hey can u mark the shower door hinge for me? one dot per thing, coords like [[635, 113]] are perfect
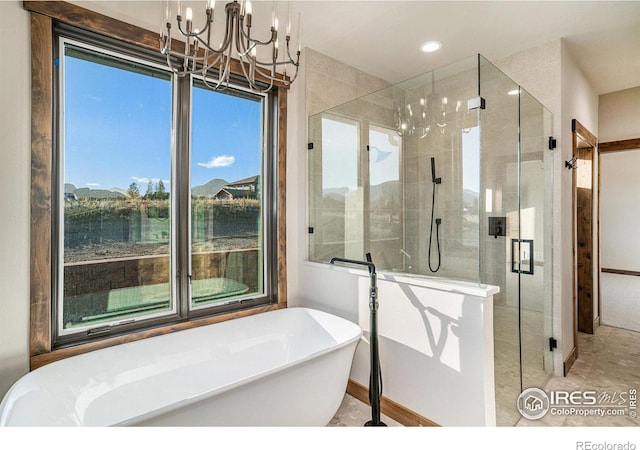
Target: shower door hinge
[[310, 230], [552, 143], [553, 344], [310, 146], [476, 103]]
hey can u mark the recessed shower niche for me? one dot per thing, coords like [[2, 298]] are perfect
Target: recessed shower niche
[[447, 175]]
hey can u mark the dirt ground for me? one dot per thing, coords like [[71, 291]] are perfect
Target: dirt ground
[[113, 250]]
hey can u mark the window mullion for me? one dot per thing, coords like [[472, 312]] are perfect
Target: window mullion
[[182, 205]]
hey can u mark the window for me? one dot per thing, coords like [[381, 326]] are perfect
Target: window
[[116, 233], [165, 196], [153, 235], [227, 237], [356, 209]]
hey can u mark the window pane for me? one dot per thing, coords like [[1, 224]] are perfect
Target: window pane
[[385, 200], [471, 185], [336, 196], [226, 196], [116, 215]]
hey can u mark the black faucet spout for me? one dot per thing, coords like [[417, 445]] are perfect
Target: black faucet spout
[[368, 262]]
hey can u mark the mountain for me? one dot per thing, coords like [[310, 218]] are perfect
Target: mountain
[[385, 195], [469, 196], [209, 189], [96, 193]]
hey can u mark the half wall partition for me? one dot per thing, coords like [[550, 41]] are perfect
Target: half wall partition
[[447, 175]]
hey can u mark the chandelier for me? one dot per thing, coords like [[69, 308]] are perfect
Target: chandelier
[[200, 55], [429, 114]]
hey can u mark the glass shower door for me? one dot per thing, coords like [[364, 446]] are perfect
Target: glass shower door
[[516, 235], [533, 260]]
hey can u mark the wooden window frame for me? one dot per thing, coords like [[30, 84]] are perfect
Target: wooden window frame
[[43, 15]]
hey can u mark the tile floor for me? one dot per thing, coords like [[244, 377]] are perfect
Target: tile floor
[[609, 360], [507, 359]]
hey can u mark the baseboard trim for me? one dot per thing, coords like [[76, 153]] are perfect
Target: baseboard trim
[[570, 359], [390, 408]]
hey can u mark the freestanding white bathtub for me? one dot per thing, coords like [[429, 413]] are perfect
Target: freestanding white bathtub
[[282, 368]]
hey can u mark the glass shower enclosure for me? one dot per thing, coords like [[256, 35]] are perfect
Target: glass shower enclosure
[[447, 175]]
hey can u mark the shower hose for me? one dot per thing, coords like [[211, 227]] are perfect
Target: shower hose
[[433, 203]]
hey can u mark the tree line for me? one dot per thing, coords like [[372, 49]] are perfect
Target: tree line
[[154, 192]]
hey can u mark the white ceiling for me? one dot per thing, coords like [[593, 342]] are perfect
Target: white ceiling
[[383, 37]]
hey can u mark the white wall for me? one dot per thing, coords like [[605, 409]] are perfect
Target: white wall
[[620, 210], [15, 172], [619, 115], [619, 119]]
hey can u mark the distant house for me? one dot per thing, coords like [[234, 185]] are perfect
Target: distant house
[[246, 188], [229, 194]]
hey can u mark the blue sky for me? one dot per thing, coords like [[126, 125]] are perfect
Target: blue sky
[[118, 130]]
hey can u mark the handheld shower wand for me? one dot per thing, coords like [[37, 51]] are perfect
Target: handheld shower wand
[[434, 181], [375, 376]]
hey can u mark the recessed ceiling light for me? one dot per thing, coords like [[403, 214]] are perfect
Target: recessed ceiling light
[[431, 46]]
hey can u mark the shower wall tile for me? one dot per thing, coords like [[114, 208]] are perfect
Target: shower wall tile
[[331, 83]]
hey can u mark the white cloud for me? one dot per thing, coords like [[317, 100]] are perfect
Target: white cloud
[[93, 184], [219, 161], [146, 180]]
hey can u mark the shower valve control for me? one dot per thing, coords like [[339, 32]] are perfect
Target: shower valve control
[[497, 226]]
